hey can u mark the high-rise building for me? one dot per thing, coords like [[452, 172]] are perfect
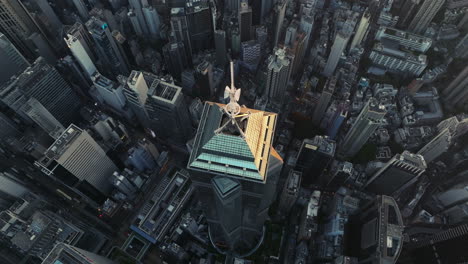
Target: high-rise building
[[232, 5], [424, 16], [180, 29], [397, 174], [220, 45], [175, 58], [364, 126], [438, 246], [110, 55], [138, 9], [174, 191], [280, 11], [204, 85], [324, 100], [110, 92], [43, 82], [200, 24], [397, 60], [235, 171], [461, 50], [250, 54], [407, 12], [448, 131], [406, 39], [76, 160], [290, 192], [135, 23], [245, 21], [152, 20], [456, 93], [361, 30], [313, 158], [43, 118], [64, 253], [78, 42], [278, 75], [49, 13], [12, 61], [168, 112], [265, 9], [379, 232], [82, 9], [136, 92], [17, 24], [339, 45]]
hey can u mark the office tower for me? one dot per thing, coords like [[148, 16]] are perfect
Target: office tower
[[82, 9], [152, 223], [200, 24], [168, 112], [336, 120], [235, 170], [313, 158], [424, 16], [456, 93], [110, 93], [265, 9], [461, 50], [235, 41], [324, 100], [245, 21], [308, 224], [43, 82], [43, 48], [17, 25], [379, 232], [339, 45], [204, 85], [82, 35], [261, 35], [180, 30], [52, 18], [220, 45], [42, 117], [152, 20], [361, 30], [12, 61], [280, 11], [136, 92], [448, 131], [76, 160], [297, 51], [364, 126], [396, 60], [9, 128], [232, 5], [437, 245], [175, 58], [406, 39], [64, 253], [135, 22], [250, 54], [290, 192], [277, 75], [397, 174], [137, 8], [111, 57], [407, 12], [77, 42]]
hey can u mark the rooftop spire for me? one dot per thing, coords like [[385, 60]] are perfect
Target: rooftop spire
[[232, 108]]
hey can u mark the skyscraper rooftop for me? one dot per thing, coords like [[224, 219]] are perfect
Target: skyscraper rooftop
[[239, 147]]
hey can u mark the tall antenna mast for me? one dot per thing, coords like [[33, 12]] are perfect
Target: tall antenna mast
[[232, 109]]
